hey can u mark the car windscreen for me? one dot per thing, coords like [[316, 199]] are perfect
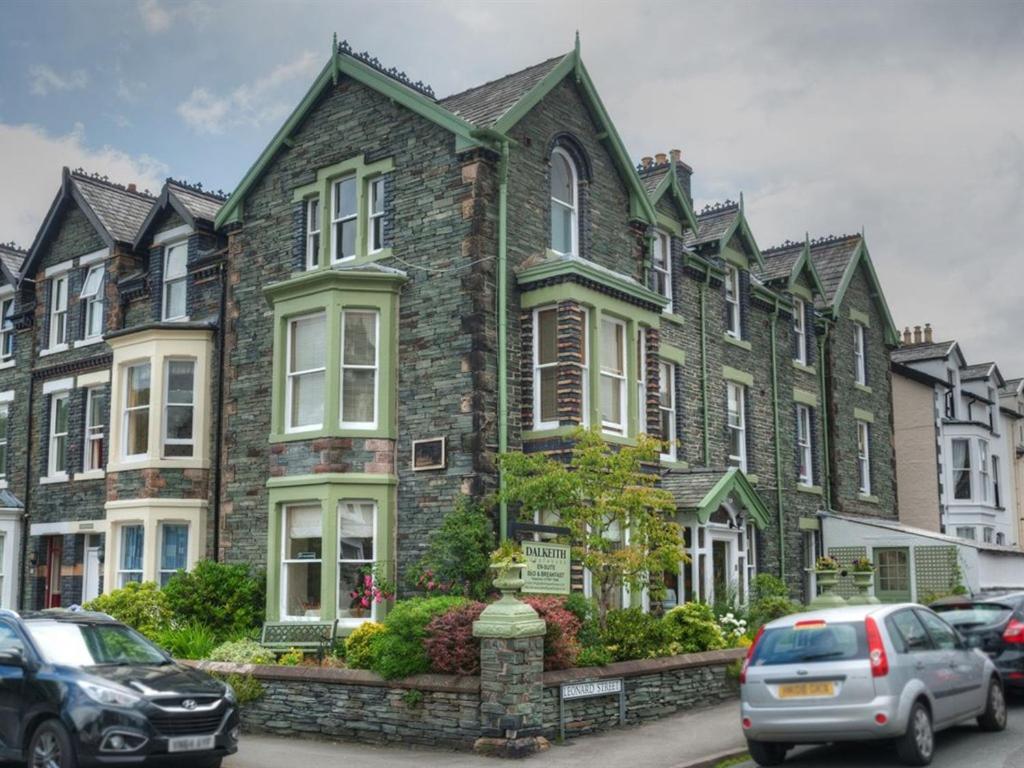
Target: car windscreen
[[975, 615], [817, 642], [88, 645]]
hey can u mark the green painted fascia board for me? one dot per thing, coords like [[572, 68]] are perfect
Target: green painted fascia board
[[801, 291], [558, 267], [317, 280], [892, 335], [734, 481], [674, 354], [740, 377], [860, 317], [740, 225], [805, 397], [804, 262], [769, 295], [671, 183], [332, 478], [861, 415], [421, 105], [520, 109], [732, 256], [669, 224]]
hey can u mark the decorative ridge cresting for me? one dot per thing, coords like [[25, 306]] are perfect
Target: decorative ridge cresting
[[197, 187], [829, 239], [785, 245], [100, 178], [13, 246], [393, 72], [719, 207]]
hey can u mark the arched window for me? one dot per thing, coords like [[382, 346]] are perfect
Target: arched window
[[564, 203]]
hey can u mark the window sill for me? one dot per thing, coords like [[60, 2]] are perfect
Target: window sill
[[92, 474], [7, 363], [671, 463], [868, 498], [356, 261], [813, 489], [53, 350], [127, 465], [728, 339], [53, 479], [863, 388], [805, 368], [316, 434], [672, 317], [87, 342]]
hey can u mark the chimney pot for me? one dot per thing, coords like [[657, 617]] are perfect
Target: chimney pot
[[661, 158], [131, 187], [676, 155], [917, 334], [927, 333], [646, 161], [906, 336]]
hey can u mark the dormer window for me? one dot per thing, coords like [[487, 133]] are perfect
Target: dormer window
[[564, 203], [92, 295], [175, 281], [800, 331], [732, 302]]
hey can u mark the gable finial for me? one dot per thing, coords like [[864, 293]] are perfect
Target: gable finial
[[807, 238], [576, 45], [334, 58], [741, 201]]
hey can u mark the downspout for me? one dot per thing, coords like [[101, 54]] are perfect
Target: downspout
[[826, 464], [702, 288], [25, 517], [219, 418], [778, 450]]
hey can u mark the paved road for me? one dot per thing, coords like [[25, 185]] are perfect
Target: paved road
[[962, 747]]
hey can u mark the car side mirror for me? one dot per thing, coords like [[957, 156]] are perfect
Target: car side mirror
[[12, 657]]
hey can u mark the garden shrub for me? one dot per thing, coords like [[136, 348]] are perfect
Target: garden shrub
[[399, 652], [561, 640], [765, 585], [632, 634], [242, 652], [140, 605], [226, 598], [247, 688], [293, 657], [450, 645], [188, 641], [585, 610], [594, 656], [359, 645], [458, 555], [691, 628], [769, 609]]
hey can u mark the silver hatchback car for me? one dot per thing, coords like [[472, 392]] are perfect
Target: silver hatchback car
[[867, 672]]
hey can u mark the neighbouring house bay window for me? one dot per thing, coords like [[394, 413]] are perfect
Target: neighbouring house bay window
[[800, 331], [136, 411], [661, 263], [313, 232], [987, 534], [173, 550], [179, 408], [737, 423], [667, 409], [307, 365], [92, 295], [545, 368], [864, 458], [966, 532], [962, 469], [983, 469], [301, 561], [57, 466], [564, 203], [357, 522], [805, 458], [859, 360], [344, 216], [175, 290], [359, 368], [733, 324], [129, 567], [6, 330], [93, 456], [613, 376], [59, 311]]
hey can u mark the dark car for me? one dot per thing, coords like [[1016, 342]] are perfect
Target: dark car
[[79, 688], [996, 626]]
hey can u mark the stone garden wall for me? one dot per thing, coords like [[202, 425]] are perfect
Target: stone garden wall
[[444, 710]]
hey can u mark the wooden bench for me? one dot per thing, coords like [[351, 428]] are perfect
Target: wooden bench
[[313, 636]]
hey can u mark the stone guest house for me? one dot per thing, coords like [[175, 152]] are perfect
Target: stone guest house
[[306, 375]]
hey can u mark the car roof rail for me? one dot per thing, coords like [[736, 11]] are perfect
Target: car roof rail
[[9, 613]]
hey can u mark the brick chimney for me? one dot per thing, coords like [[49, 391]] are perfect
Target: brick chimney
[[646, 162], [906, 336], [131, 187], [917, 334], [927, 333], [683, 173], [660, 158]]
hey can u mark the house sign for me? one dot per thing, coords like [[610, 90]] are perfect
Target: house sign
[[547, 567]]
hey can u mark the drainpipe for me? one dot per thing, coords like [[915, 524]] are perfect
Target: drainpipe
[[778, 450], [25, 517], [826, 467], [218, 416], [702, 288]]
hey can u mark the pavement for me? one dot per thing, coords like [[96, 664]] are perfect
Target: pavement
[[687, 740]]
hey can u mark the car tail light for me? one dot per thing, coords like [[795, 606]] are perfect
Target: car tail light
[[746, 723], [750, 655], [1014, 632], [881, 718], [876, 650]]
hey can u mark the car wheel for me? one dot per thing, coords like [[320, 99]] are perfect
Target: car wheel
[[766, 752], [917, 745], [994, 717], [50, 747]]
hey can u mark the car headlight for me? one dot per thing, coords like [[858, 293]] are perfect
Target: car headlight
[[229, 693], [111, 697]]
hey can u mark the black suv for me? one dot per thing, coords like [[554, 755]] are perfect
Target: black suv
[[79, 688]]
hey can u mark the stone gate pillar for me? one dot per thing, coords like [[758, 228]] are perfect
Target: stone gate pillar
[[511, 675]]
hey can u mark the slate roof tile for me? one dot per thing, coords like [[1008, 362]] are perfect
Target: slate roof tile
[[12, 257], [712, 223], [120, 212], [689, 488], [831, 256], [484, 105], [779, 261], [976, 371], [202, 205], [918, 352]]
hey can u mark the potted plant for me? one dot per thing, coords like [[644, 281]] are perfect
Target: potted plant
[[508, 562], [826, 571], [372, 586], [863, 577]]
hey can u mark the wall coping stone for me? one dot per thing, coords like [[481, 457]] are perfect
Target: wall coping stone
[[639, 667]]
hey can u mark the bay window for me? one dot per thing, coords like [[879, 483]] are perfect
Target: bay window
[[860, 363], [179, 408], [313, 233], [375, 230], [864, 457], [307, 365], [357, 522], [800, 331], [613, 376], [733, 326], [805, 458], [136, 411], [983, 469], [95, 428], [92, 295], [173, 550], [962, 469], [129, 568], [661, 262], [57, 466], [641, 382], [737, 424], [545, 368], [344, 216], [301, 561], [667, 409], [59, 312], [175, 291], [359, 368], [564, 203], [6, 330]]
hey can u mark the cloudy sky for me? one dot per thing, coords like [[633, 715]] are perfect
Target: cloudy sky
[[904, 118]]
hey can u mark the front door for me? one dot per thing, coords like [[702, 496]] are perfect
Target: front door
[[91, 578], [54, 552], [722, 579], [892, 574]]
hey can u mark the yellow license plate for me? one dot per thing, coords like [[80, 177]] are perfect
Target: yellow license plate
[[806, 690]]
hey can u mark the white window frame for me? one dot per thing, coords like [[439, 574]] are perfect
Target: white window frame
[[585, 369], [612, 427], [574, 208], [966, 532], [59, 312], [641, 381], [662, 244], [93, 432], [313, 216], [737, 393], [800, 329], [284, 561], [864, 457], [338, 221], [5, 413], [984, 476], [6, 329], [667, 382], [988, 534], [160, 570], [350, 561], [51, 455], [121, 549], [955, 470], [167, 405], [375, 367], [734, 325], [93, 302], [860, 363], [803, 442], [375, 192], [171, 280], [539, 422], [128, 410], [291, 376]]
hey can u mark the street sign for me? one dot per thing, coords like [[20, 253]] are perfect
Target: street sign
[[589, 689], [548, 567]]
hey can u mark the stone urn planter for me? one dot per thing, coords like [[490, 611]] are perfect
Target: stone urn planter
[[863, 581], [827, 580]]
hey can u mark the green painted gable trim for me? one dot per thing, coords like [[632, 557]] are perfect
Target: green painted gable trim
[[343, 64], [669, 224], [861, 415], [671, 184], [734, 483], [804, 263], [892, 335], [741, 227], [740, 377], [556, 267]]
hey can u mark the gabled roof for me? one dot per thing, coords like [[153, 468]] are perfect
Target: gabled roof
[[11, 259], [718, 223], [479, 116], [980, 371], [661, 179], [784, 263], [1012, 387], [115, 212], [916, 353], [194, 204], [837, 258], [704, 490]]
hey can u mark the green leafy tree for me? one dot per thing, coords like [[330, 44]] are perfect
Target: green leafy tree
[[599, 495], [458, 554]]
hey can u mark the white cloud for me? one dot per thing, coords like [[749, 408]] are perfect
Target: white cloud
[[44, 80], [157, 18], [35, 158], [250, 104]]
